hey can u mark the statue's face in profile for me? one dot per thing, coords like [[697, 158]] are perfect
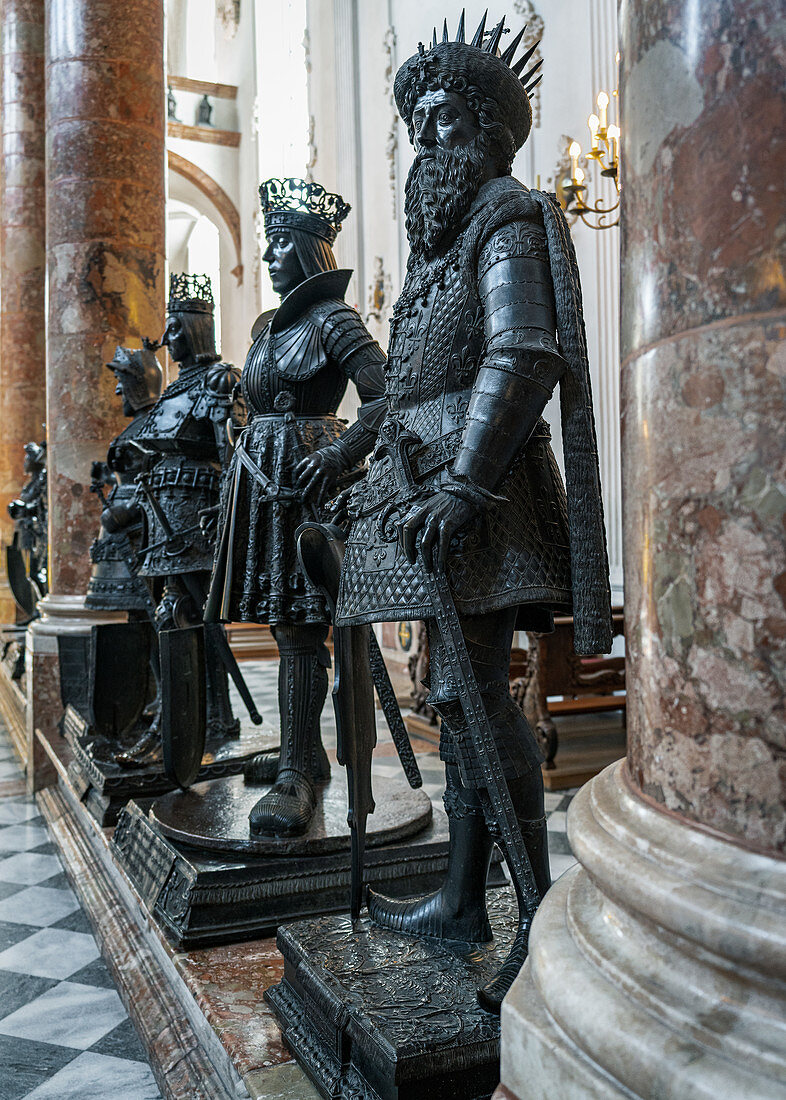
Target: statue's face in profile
[[120, 390], [442, 120], [176, 339], [283, 264]]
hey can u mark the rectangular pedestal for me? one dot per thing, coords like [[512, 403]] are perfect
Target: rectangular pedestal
[[105, 788], [199, 899], [378, 1015]]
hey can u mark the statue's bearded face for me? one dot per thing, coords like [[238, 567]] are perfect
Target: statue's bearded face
[[451, 163]]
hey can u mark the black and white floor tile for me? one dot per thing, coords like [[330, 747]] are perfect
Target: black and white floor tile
[[64, 1034]]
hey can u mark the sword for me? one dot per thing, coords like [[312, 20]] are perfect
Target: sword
[[481, 734], [199, 596]]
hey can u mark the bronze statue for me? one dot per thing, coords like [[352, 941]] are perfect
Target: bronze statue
[[185, 444], [462, 519], [26, 557], [292, 456], [114, 583]]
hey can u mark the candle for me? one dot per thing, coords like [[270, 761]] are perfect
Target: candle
[[575, 153], [594, 122], [614, 135], [603, 103]]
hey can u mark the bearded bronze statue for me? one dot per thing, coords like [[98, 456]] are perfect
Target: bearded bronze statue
[[292, 456], [463, 486]]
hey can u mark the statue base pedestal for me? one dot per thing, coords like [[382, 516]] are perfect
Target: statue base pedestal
[[105, 788], [377, 1015], [205, 879]]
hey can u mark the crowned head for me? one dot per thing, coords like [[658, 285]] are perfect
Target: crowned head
[[190, 332], [302, 221], [467, 110]]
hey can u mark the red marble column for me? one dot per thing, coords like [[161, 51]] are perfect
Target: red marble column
[[656, 965], [704, 411], [105, 167], [105, 239], [22, 255]]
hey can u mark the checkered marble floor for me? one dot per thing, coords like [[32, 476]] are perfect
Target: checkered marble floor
[[63, 1030]]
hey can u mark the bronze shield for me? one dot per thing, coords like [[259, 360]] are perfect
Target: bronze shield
[[183, 702]]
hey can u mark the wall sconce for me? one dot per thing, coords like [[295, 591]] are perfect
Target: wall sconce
[[605, 151]]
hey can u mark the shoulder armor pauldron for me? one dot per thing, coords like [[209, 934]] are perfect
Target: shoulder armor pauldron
[[221, 379], [519, 238]]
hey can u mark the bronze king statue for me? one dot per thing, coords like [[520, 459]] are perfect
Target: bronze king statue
[[185, 442], [463, 519], [291, 457], [114, 583]]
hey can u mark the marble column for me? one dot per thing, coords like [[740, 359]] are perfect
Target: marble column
[[22, 255], [658, 966], [105, 261]]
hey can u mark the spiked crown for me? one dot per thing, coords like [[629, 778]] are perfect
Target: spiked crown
[[461, 66], [294, 203], [190, 294]]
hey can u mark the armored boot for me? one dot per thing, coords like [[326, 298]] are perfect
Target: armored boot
[[457, 911], [221, 723], [287, 808], [527, 796]]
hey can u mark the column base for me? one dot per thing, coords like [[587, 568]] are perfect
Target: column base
[[60, 616], [657, 968]]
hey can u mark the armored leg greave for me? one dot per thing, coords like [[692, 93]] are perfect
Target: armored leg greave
[[288, 806], [457, 911], [458, 906]]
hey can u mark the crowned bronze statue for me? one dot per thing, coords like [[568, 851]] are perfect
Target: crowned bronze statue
[[114, 583], [463, 519], [185, 444], [293, 455]]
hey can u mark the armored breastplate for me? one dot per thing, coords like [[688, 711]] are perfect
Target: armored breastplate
[[292, 362], [179, 422], [435, 346]]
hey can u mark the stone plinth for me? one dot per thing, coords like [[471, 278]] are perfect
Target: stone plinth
[[22, 256], [656, 968]]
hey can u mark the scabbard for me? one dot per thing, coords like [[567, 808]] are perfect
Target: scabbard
[[481, 733]]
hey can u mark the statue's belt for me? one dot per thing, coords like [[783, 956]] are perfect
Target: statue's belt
[[185, 477], [423, 461]]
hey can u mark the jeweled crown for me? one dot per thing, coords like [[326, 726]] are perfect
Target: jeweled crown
[[302, 205], [190, 294]]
